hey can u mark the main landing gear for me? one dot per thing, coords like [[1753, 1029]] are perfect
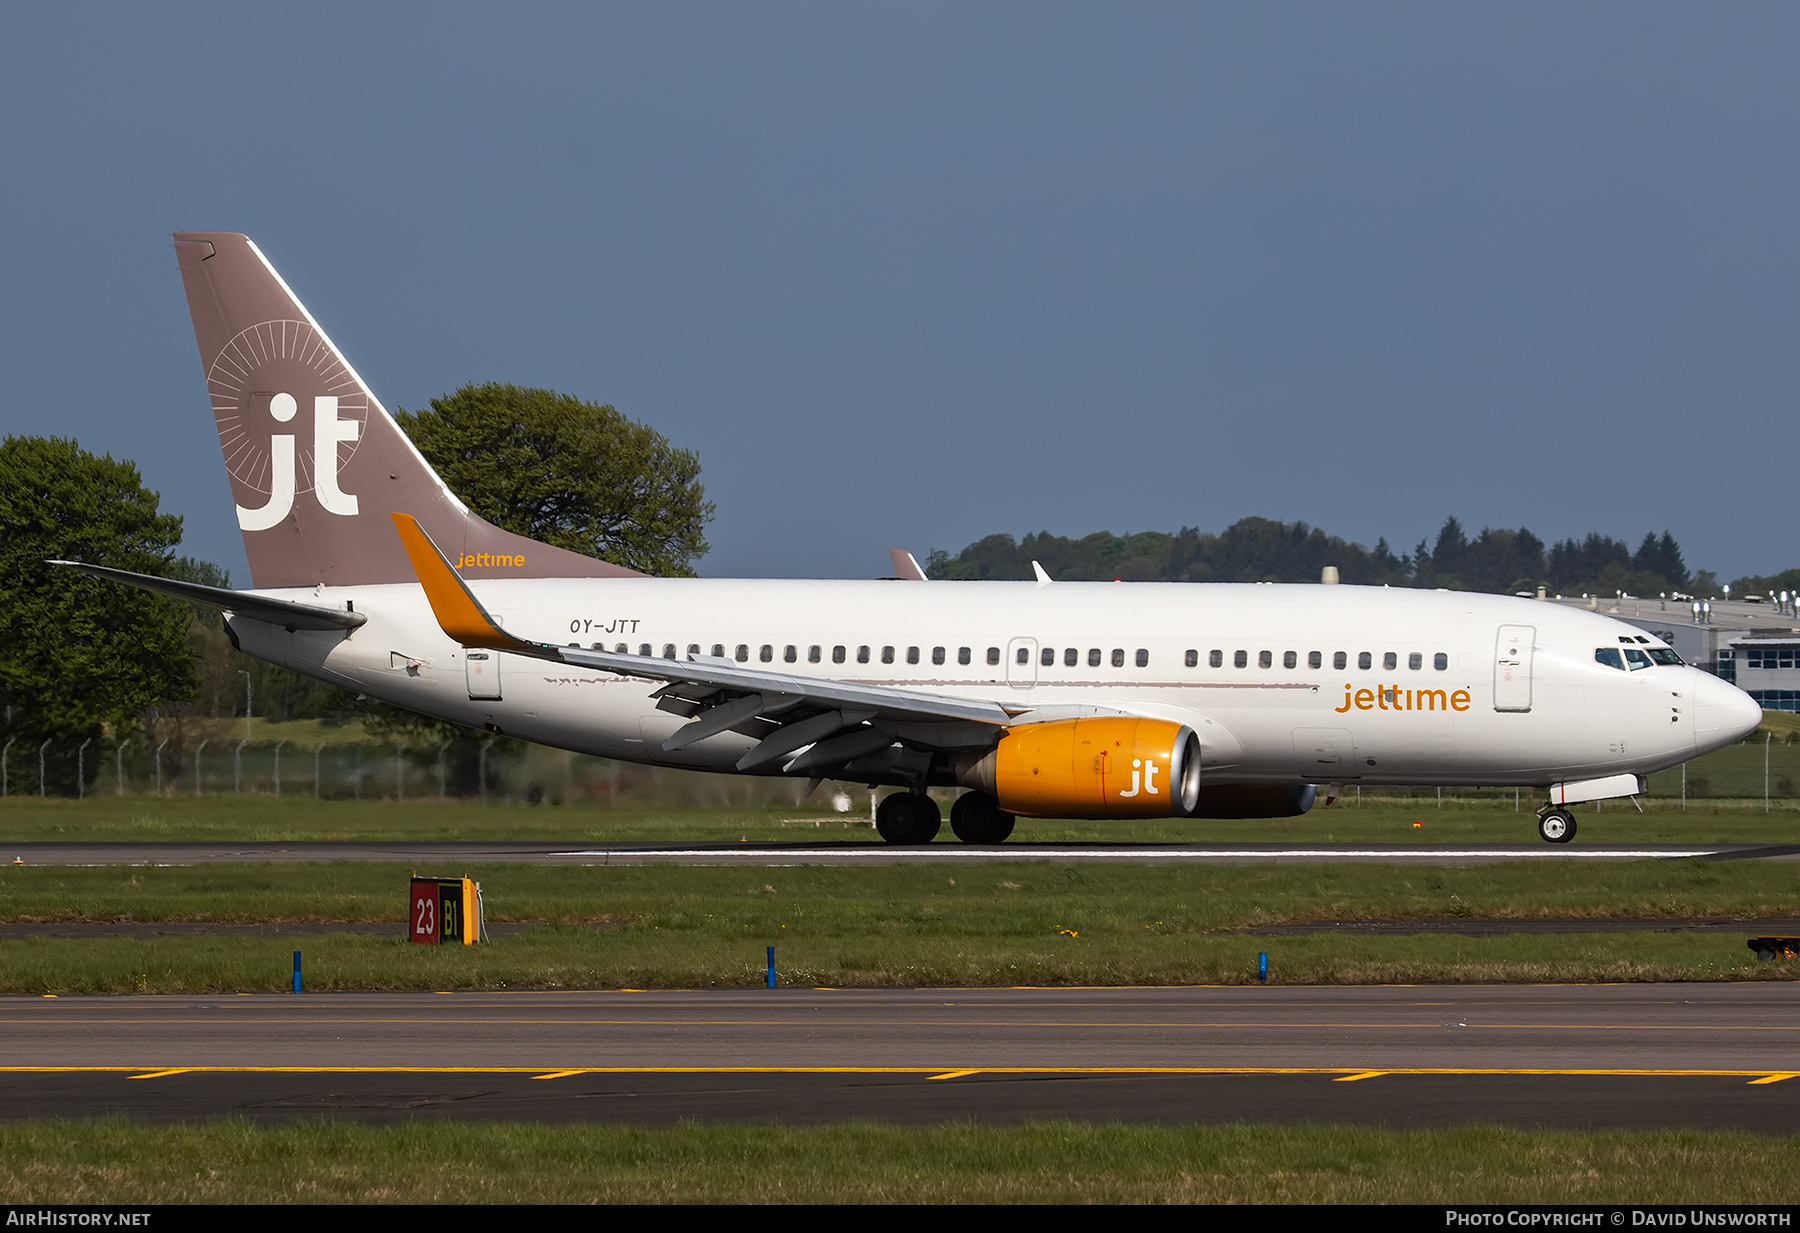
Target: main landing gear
[[907, 817], [1556, 824], [977, 818], [911, 817]]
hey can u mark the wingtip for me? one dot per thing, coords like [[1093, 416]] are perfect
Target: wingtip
[[459, 614]]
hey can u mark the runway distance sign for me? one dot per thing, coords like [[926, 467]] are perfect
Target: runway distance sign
[[441, 910]]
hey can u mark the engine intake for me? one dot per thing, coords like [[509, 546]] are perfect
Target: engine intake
[[1110, 767]]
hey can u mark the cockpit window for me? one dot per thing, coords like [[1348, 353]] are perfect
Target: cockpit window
[[1610, 657], [1663, 655], [1635, 659]]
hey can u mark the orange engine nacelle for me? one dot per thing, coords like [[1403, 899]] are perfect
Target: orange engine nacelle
[[1110, 767]]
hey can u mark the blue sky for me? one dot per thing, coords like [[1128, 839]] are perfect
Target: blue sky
[[911, 274]]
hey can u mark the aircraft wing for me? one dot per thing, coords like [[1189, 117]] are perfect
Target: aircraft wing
[[835, 721], [281, 612]]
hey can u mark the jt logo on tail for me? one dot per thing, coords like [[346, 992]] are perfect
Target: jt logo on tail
[[328, 430]]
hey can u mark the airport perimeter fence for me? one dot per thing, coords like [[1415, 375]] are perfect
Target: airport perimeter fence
[[1762, 769]]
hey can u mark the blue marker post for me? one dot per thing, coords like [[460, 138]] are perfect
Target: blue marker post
[[771, 967], [1262, 967], [296, 971]]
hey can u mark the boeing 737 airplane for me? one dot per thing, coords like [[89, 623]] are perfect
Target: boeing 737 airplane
[[1046, 699]]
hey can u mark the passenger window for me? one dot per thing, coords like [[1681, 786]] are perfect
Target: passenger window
[[1191, 659], [1339, 660], [1071, 657], [887, 654], [668, 650], [1118, 658], [790, 654], [742, 654], [1264, 659], [1241, 659], [1143, 658], [1093, 657], [1047, 656], [937, 654], [1216, 659], [1635, 659], [1441, 662], [837, 654], [1364, 660], [644, 650], [963, 656], [862, 654], [718, 650], [1024, 655], [912, 654], [693, 648], [1314, 659], [1390, 661], [994, 655], [1609, 655], [1415, 661], [1289, 659], [812, 654], [766, 654]]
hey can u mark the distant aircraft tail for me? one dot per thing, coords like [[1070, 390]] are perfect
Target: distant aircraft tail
[[316, 462]]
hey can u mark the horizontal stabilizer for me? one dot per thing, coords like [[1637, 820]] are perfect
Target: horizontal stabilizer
[[281, 612]]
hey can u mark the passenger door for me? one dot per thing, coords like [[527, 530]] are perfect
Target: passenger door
[[1512, 667], [482, 668]]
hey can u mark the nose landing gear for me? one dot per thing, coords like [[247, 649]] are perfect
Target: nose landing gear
[[1555, 824]]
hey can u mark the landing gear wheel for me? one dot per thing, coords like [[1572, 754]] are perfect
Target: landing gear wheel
[[977, 818], [907, 818], [1556, 826]]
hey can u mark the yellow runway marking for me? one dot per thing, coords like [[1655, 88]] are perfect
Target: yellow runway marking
[[1354, 1072], [1367, 1074], [1774, 1078], [560, 1074], [955, 1074]]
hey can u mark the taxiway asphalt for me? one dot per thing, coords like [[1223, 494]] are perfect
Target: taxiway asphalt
[[1701, 1055]]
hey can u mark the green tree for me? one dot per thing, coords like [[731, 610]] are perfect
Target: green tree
[[575, 474], [80, 655]]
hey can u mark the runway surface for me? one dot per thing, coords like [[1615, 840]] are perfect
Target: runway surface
[[424, 855], [1706, 1055]]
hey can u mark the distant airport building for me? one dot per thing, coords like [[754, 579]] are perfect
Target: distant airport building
[[1754, 646]]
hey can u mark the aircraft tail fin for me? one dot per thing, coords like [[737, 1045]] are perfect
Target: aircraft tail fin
[[315, 460]]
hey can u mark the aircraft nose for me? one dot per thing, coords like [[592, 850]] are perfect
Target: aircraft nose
[[1723, 713]]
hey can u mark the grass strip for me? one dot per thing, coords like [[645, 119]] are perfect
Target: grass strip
[[567, 958], [117, 1161], [897, 925], [970, 900]]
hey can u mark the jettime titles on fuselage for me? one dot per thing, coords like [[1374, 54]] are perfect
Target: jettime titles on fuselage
[[1393, 698]]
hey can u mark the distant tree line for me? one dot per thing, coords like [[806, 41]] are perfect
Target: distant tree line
[[1497, 560]]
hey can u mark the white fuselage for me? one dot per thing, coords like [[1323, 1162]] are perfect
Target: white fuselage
[[1453, 692]]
